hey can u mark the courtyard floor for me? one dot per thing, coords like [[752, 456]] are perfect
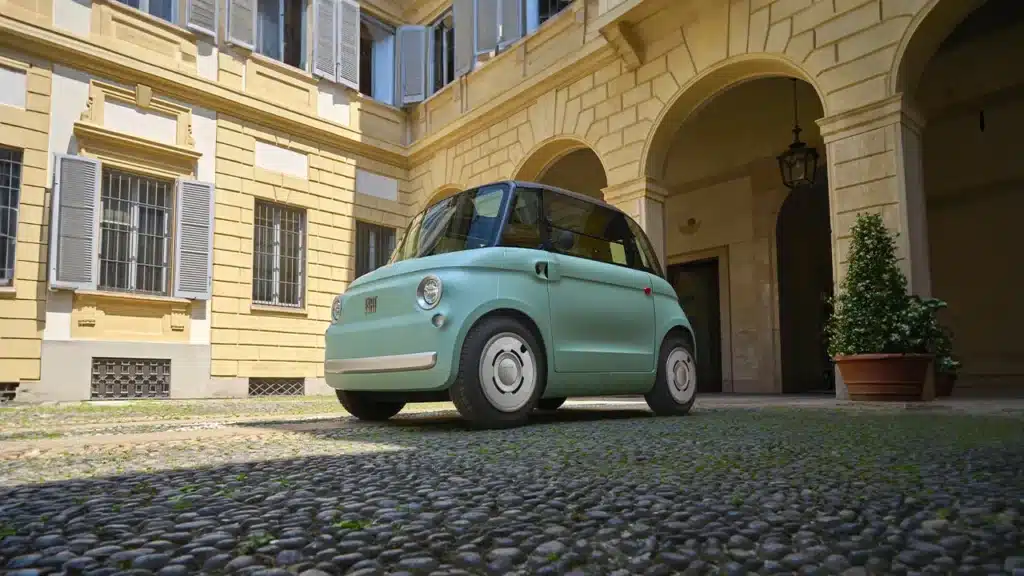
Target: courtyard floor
[[740, 486]]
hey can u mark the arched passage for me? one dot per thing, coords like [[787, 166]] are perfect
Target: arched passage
[[442, 193], [727, 217], [961, 70], [565, 163]]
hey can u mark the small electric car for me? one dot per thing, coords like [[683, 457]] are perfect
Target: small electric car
[[507, 298]]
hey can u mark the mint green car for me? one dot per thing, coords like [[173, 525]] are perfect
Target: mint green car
[[507, 298]]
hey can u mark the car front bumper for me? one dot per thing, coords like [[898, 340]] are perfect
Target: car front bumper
[[397, 354], [378, 364]]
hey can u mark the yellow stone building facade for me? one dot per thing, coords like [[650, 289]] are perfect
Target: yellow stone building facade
[[186, 184]]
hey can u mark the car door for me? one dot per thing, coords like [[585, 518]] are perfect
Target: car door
[[602, 312]]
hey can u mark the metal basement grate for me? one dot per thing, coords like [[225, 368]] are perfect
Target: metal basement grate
[[8, 390], [277, 386], [122, 378]]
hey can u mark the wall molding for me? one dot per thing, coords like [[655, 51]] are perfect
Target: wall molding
[[135, 153]]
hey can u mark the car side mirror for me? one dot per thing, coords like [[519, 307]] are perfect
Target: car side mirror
[[564, 240]]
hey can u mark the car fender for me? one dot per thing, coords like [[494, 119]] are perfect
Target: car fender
[[538, 316], [671, 316]]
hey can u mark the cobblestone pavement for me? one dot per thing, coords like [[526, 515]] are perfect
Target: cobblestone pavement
[[278, 487]]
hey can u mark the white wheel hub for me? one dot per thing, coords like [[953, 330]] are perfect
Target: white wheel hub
[[681, 375], [508, 372]]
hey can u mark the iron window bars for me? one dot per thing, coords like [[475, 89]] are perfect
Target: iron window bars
[[374, 245], [278, 256], [135, 233], [10, 202]]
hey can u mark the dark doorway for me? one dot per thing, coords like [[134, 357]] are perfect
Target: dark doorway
[[696, 283], [803, 239]]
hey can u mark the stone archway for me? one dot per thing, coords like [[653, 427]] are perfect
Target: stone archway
[[566, 163], [442, 193], [969, 181], [713, 155]]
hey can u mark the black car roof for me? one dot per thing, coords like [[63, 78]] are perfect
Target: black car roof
[[570, 193]]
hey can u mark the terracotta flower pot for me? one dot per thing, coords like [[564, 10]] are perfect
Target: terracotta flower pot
[[944, 382], [886, 377]]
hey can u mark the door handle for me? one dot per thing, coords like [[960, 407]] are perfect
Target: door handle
[[540, 268]]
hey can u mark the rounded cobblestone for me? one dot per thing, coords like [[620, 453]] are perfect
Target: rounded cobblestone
[[718, 492]]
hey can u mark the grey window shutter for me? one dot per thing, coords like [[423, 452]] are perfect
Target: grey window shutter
[[412, 63], [75, 223], [462, 19], [511, 21], [325, 39], [486, 30], [348, 43], [242, 23], [193, 256], [201, 16]]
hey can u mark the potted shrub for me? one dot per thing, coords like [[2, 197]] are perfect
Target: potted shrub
[[881, 338]]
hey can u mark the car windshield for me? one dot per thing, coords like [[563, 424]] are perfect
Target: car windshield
[[465, 221]]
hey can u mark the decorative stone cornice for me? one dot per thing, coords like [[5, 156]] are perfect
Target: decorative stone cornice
[[642, 187], [885, 112], [109, 145], [620, 35]]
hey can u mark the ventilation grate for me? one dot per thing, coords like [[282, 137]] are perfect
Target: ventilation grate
[[277, 386], [7, 391], [126, 378]]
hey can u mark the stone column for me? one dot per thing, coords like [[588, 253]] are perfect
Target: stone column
[[875, 165], [644, 200]]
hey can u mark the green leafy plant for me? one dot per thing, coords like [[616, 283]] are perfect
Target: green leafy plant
[[873, 314]]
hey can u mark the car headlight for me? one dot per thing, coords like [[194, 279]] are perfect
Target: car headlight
[[336, 309], [428, 293]]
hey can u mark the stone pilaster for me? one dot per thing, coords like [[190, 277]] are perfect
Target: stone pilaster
[[644, 200], [875, 165]]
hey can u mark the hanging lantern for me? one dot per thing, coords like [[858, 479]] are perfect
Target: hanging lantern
[[799, 163]]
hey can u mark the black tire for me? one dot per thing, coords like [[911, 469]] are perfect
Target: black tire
[[360, 406], [468, 394], [550, 404], [661, 398]]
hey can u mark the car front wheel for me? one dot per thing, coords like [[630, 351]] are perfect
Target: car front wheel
[[501, 374], [364, 408], [675, 388]]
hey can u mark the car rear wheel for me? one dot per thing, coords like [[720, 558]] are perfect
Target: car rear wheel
[[550, 404], [675, 388], [362, 407], [501, 374]]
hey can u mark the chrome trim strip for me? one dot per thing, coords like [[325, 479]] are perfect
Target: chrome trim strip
[[392, 363]]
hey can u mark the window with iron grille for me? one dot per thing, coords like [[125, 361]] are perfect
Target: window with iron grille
[[10, 200], [278, 255], [374, 245], [549, 8], [135, 232], [118, 378], [277, 386]]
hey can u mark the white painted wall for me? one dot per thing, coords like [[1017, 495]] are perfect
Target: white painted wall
[[68, 96], [332, 102], [206, 62], [282, 160], [204, 132], [376, 185], [74, 16], [130, 119], [13, 87]]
